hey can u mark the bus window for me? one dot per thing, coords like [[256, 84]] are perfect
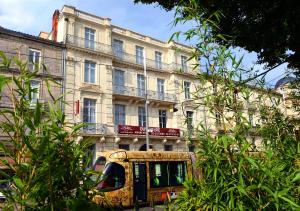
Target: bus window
[[158, 174], [177, 173], [100, 163], [113, 177]]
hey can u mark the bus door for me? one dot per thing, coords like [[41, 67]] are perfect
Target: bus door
[[139, 182]]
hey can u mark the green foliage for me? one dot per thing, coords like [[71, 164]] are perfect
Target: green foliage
[[40, 151], [269, 28], [237, 174]]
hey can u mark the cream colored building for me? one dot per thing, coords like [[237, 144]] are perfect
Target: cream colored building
[[105, 85]]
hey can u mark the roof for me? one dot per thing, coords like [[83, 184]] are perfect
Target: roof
[[30, 37], [151, 155], [283, 81]]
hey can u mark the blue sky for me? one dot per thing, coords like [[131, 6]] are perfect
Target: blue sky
[[33, 16]]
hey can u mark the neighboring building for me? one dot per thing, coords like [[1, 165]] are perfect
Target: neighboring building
[[36, 51]]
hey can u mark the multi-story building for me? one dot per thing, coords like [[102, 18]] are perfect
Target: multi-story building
[[112, 72], [106, 85], [35, 51]]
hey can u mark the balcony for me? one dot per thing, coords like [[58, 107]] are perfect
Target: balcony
[[94, 129], [88, 44], [136, 60], [183, 68], [140, 93]]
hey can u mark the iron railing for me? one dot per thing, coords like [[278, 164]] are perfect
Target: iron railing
[[136, 92], [130, 58], [94, 128], [88, 44]]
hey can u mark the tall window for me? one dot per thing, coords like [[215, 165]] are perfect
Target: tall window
[[89, 71], [119, 114], [89, 110], [162, 114], [218, 119], [35, 93], [168, 147], [118, 48], [161, 88], [158, 60], [187, 88], [119, 81], [139, 51], [184, 63], [142, 116], [141, 85], [34, 60], [189, 123], [89, 36]]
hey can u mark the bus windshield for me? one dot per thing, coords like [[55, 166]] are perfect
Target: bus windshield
[[113, 177]]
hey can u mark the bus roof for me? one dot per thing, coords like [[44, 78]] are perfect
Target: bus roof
[[149, 155]]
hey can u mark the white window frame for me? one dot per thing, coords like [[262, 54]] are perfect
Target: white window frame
[[187, 90], [183, 62], [89, 62], [89, 43], [118, 48], [34, 84], [33, 65], [158, 60], [139, 58]]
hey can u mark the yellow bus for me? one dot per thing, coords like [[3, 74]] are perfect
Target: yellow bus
[[139, 177]]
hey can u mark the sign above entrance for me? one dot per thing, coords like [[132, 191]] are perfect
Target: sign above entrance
[[154, 131]]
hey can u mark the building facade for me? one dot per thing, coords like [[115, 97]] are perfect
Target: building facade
[[106, 85], [35, 51], [112, 72]]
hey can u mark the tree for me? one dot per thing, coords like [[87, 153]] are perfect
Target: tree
[[40, 157], [270, 28], [237, 172]]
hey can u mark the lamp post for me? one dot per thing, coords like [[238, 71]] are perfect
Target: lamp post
[[146, 100]]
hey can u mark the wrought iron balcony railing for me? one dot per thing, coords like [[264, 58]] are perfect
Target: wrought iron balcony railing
[[139, 60], [94, 128], [183, 68], [88, 44], [135, 92]]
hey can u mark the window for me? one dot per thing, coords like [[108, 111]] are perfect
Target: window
[[158, 174], [251, 119], [166, 174], [139, 55], [35, 91], [161, 88], [191, 148], [142, 116], [124, 146], [34, 60], [187, 86], [119, 114], [218, 119], [118, 48], [177, 173], [184, 63], [89, 71], [141, 85], [168, 147], [89, 114], [162, 114], [113, 177], [189, 123], [89, 35], [158, 61], [119, 81]]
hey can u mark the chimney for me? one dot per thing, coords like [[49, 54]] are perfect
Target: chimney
[[54, 24]]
